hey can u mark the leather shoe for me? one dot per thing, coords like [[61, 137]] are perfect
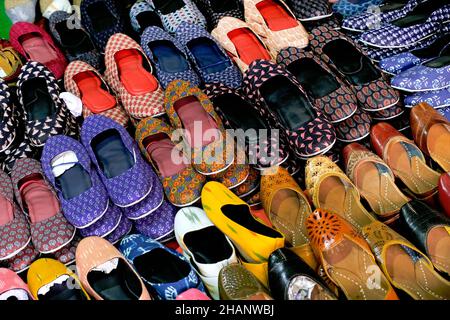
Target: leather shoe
[[444, 192]]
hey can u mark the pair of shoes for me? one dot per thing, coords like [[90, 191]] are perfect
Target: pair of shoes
[[192, 227], [191, 45], [45, 227]]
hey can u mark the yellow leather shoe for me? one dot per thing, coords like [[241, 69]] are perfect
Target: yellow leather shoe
[[49, 279], [254, 240]]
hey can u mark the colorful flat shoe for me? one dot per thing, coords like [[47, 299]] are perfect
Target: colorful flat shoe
[[233, 176], [274, 22], [286, 205], [182, 184], [49, 280], [126, 176], [67, 166], [187, 106], [347, 59], [12, 286], [105, 225], [14, 229], [22, 261], [10, 124], [50, 230], [166, 271], [310, 10], [102, 19], [438, 99], [250, 185], [237, 283], [444, 193], [232, 216], [429, 230], [346, 257], [209, 59], [66, 255], [355, 128], [106, 274], [213, 11], [431, 132], [416, 276], [192, 227], [143, 15], [125, 62], [35, 44], [230, 104], [333, 97], [375, 180], [348, 8], [169, 57], [240, 42], [160, 224], [85, 82], [401, 62], [174, 13], [330, 189], [408, 164], [291, 278], [309, 133], [44, 113], [122, 230], [10, 62], [74, 41]]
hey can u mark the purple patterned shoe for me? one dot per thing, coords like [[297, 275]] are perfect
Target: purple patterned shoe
[[218, 66], [427, 21], [69, 169], [159, 224], [285, 102], [355, 128], [331, 95], [124, 228], [169, 57], [125, 174], [106, 225], [437, 98], [147, 206]]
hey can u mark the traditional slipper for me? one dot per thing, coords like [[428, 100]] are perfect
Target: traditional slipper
[[22, 261], [160, 224], [12, 286]]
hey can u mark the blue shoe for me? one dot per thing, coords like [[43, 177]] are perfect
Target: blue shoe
[[347, 8], [166, 271], [437, 98], [143, 15]]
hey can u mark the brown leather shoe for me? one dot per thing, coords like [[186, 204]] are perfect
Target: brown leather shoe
[[444, 192], [431, 132]]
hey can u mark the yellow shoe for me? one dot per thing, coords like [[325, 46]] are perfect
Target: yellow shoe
[[254, 240], [49, 279]]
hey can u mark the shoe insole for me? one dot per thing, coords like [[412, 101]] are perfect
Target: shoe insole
[[438, 244], [136, 79], [94, 94], [407, 163], [276, 17], [37, 48], [37, 100], [112, 155], [120, 284], [316, 80], [40, 202], [249, 48], [379, 189], [288, 213], [191, 113], [63, 291], [221, 6], [241, 215], [214, 250], [353, 64], [74, 182], [147, 19], [411, 273], [161, 266], [438, 145], [434, 49], [353, 270], [419, 14], [75, 40], [6, 211], [341, 197], [168, 57], [166, 7], [161, 150], [239, 112], [101, 18], [208, 56], [288, 102]]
